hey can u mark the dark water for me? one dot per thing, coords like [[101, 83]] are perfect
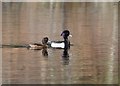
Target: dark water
[[92, 58]]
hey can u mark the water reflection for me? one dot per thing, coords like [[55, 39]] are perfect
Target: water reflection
[[65, 57], [65, 54], [91, 60], [45, 52]]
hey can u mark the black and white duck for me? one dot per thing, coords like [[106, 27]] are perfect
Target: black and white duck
[[65, 44]]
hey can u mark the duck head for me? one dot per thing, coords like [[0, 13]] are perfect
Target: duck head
[[45, 40], [65, 34]]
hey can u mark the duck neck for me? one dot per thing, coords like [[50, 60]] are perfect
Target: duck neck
[[66, 43]]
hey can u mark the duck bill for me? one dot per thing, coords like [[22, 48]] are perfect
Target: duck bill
[[70, 35]]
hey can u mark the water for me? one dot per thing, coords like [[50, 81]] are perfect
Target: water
[[92, 58]]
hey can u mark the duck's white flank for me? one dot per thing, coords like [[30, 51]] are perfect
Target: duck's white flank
[[57, 45]]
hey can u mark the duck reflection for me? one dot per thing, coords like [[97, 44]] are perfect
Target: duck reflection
[[65, 57], [45, 52]]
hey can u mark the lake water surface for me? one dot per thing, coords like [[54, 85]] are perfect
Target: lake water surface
[[92, 58]]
